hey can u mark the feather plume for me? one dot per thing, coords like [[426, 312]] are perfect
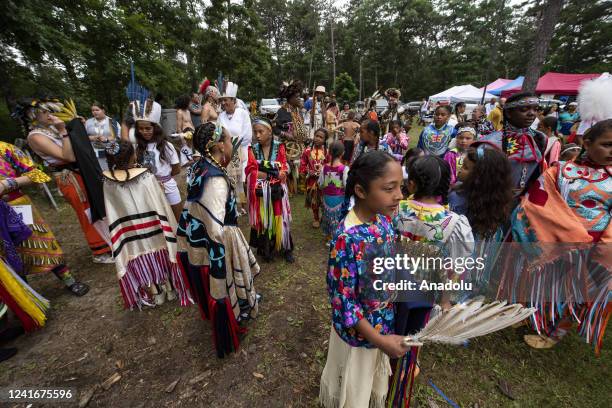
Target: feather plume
[[67, 111], [204, 85], [595, 99], [136, 92], [468, 320]]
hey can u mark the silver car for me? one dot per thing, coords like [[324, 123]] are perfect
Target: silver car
[[269, 106]]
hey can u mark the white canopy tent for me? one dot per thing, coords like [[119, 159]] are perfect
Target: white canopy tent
[[461, 93]]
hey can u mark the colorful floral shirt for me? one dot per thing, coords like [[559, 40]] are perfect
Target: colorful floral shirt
[[350, 278]]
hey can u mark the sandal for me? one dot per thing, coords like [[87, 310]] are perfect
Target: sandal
[[78, 289]]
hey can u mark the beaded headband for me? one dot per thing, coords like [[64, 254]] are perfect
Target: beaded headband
[[467, 129], [258, 121], [529, 101]]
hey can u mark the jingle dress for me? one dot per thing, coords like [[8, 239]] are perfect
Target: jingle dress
[[215, 257], [269, 208]]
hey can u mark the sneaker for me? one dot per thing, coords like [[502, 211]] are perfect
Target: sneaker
[[159, 299], [316, 224], [171, 295], [103, 259]]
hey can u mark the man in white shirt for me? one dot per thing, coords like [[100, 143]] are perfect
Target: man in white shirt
[[237, 122]]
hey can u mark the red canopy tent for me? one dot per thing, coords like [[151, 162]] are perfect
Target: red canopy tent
[[556, 83]]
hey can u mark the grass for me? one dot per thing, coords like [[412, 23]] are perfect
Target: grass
[[287, 344]]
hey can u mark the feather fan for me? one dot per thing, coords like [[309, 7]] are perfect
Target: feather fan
[[467, 320]]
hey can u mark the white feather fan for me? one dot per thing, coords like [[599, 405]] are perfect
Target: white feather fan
[[467, 320]]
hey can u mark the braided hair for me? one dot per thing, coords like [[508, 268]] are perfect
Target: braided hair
[[431, 176], [203, 136], [118, 157]]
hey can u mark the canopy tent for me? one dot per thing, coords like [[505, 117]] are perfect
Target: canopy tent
[[555, 83], [517, 83], [498, 83], [461, 93]]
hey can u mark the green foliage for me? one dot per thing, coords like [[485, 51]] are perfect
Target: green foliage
[[82, 49], [346, 91]]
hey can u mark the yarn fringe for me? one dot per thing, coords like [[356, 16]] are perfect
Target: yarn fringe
[[148, 269], [29, 306]]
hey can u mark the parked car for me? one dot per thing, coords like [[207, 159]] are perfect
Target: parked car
[[269, 106], [413, 108], [381, 105], [545, 103]]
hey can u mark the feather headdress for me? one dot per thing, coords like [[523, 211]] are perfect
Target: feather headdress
[[204, 86], [141, 106], [25, 111]]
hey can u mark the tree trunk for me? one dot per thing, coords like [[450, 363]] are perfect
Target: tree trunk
[[546, 28]]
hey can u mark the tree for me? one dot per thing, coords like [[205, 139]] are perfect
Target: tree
[[546, 28], [345, 88]]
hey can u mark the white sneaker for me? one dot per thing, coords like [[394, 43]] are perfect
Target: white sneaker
[[103, 259], [171, 295], [160, 298]]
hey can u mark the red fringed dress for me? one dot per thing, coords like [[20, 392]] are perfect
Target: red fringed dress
[[268, 198]]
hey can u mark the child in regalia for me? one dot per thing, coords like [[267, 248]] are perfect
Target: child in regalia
[[142, 228], [311, 163], [362, 338], [571, 203], [332, 182], [214, 255], [268, 196]]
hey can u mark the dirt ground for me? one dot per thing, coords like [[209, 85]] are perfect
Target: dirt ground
[[89, 339]]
